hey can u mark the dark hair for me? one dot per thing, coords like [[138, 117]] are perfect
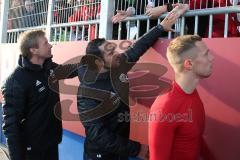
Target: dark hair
[[93, 47], [93, 52]]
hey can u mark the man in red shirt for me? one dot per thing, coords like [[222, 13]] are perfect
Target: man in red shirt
[[177, 119]]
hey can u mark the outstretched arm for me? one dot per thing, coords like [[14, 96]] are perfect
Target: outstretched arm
[[135, 51], [65, 71], [155, 12], [121, 15]]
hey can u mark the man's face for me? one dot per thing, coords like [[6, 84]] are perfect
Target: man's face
[[110, 56], [29, 6], [202, 64], [44, 48]]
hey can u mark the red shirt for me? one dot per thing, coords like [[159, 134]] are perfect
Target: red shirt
[[176, 126]]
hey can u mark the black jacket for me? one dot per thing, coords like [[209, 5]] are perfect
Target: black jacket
[[104, 108], [29, 106]]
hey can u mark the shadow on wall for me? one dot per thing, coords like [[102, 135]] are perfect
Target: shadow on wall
[[223, 143]]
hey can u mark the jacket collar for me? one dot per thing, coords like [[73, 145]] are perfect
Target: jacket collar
[[25, 63]]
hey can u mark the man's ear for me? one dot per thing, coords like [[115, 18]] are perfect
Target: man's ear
[[32, 50], [99, 63], [187, 64]]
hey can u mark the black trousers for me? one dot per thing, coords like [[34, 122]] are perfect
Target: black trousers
[[49, 154]]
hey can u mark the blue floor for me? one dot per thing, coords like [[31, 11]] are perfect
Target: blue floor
[[71, 147], [2, 137]]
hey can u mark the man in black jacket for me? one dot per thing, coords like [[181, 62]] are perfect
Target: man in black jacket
[[103, 95], [32, 130]]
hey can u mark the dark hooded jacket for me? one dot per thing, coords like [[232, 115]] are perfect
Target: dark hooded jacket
[[30, 104]]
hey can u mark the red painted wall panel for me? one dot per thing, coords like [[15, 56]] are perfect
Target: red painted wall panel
[[220, 93]]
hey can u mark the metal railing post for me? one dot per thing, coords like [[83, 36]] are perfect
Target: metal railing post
[[4, 21], [106, 26], [49, 18]]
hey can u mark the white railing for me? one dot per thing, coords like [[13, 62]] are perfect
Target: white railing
[[63, 20], [181, 27]]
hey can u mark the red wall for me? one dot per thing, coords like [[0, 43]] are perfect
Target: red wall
[[220, 93]]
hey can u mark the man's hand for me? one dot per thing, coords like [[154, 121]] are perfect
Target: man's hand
[[172, 16], [144, 152], [156, 11], [180, 8], [120, 16]]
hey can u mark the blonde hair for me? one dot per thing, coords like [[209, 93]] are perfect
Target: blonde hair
[[29, 39], [178, 49]]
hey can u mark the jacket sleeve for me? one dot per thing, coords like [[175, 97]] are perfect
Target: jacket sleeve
[[109, 141], [13, 116], [135, 51], [65, 71]]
